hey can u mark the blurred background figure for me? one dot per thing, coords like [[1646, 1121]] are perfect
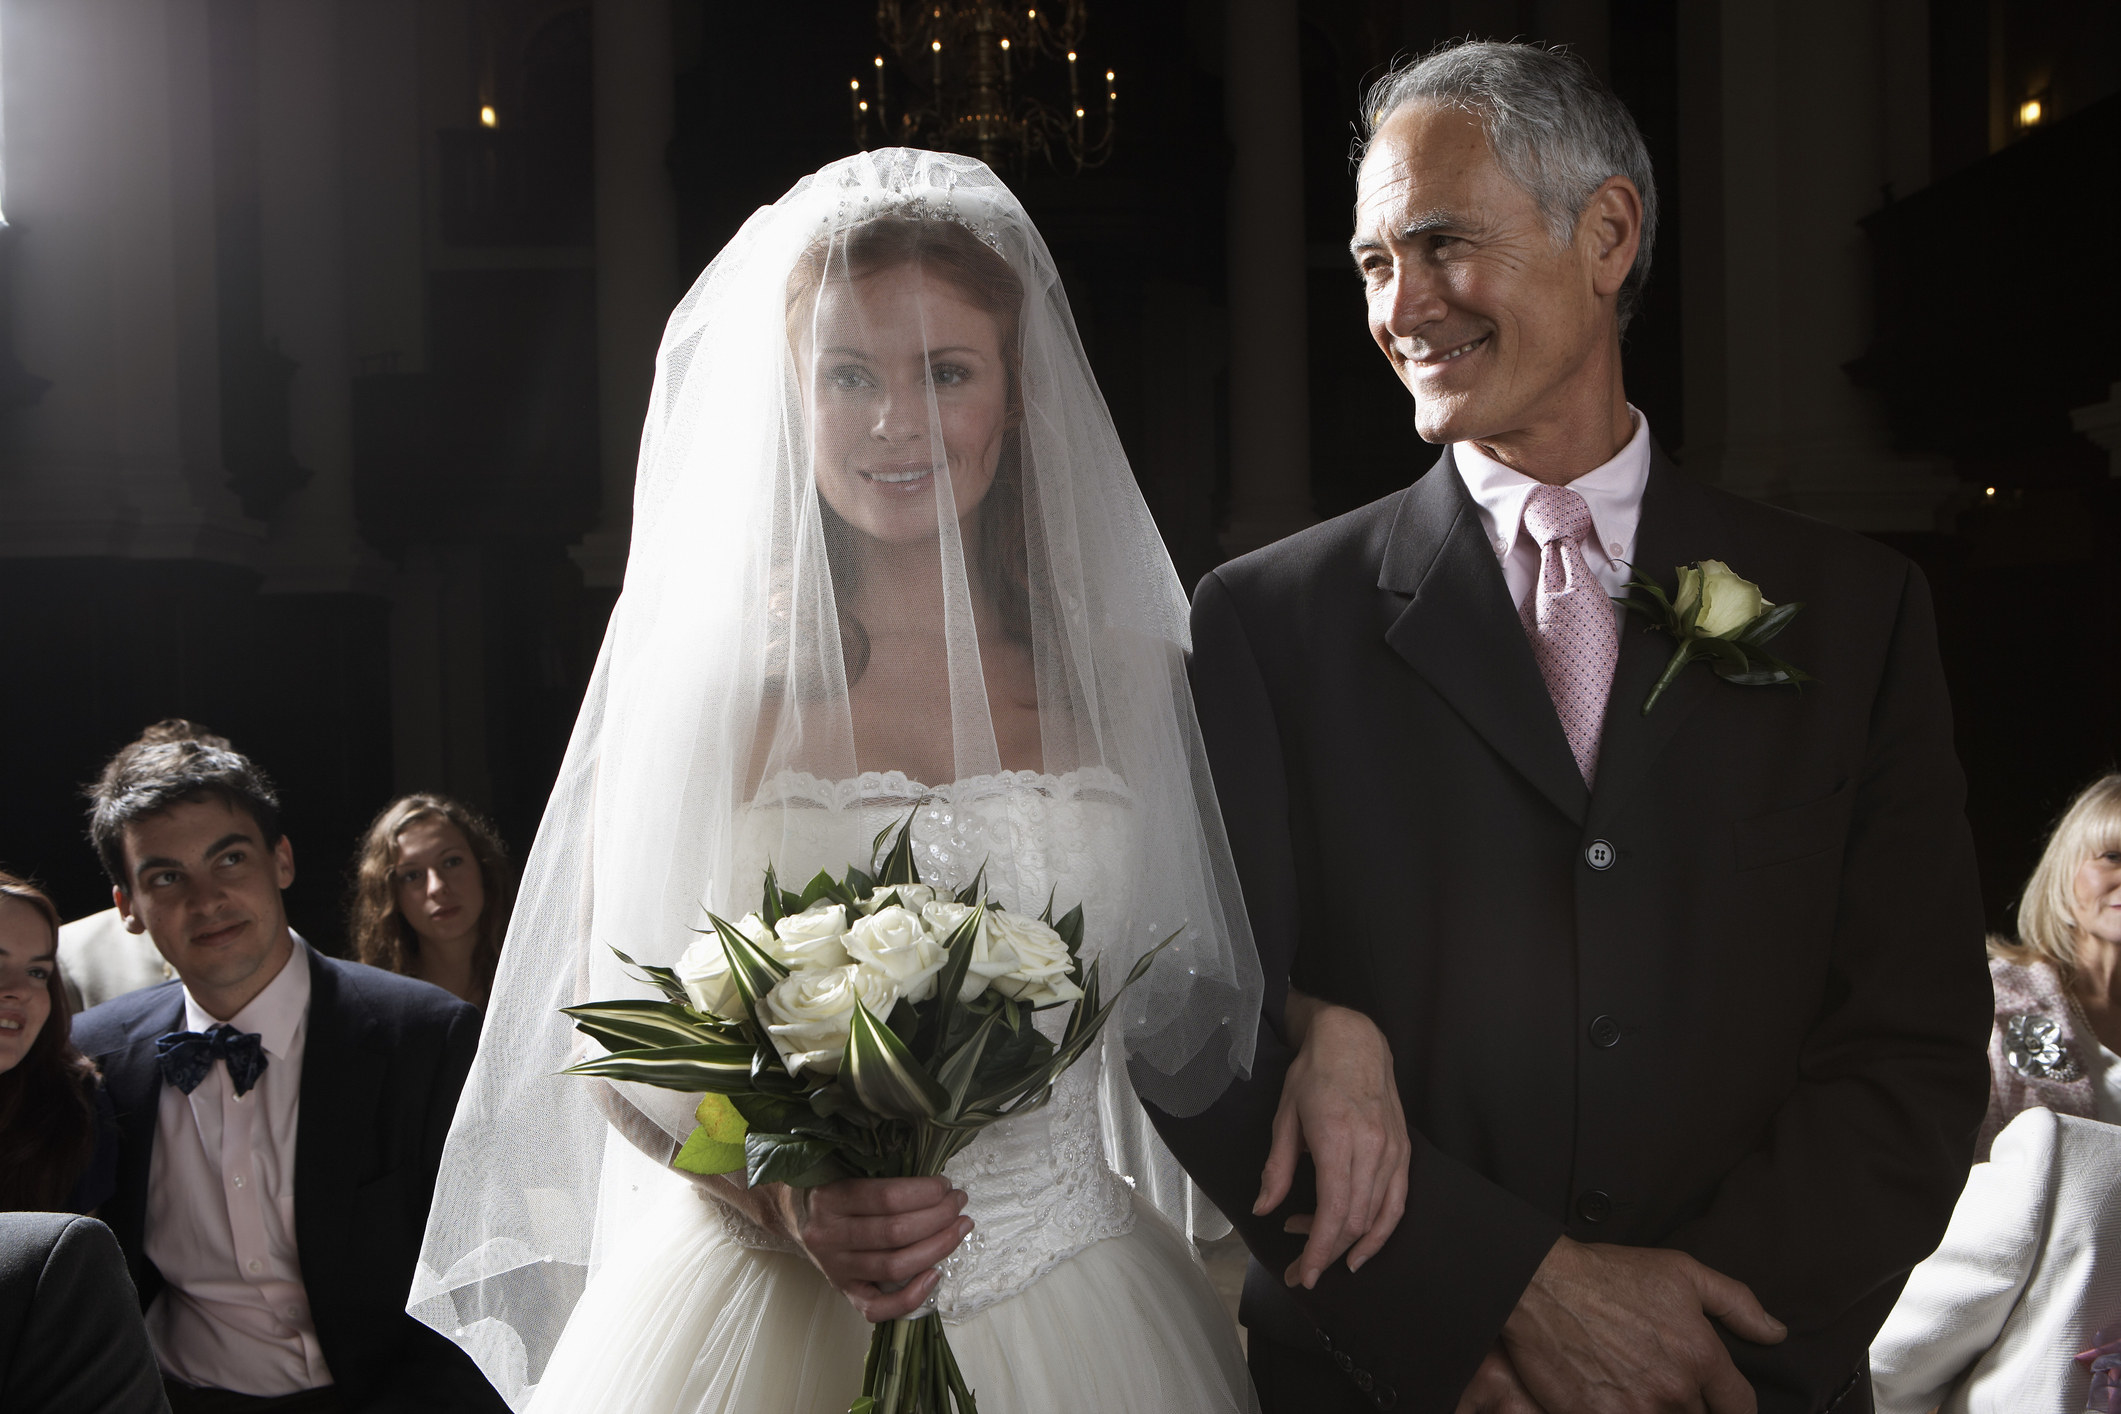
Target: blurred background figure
[[2058, 984], [58, 1136], [1999, 1316], [431, 894], [71, 1339], [99, 956]]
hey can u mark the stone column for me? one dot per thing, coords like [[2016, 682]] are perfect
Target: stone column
[[1270, 404], [316, 546], [110, 192], [1815, 108], [637, 277]]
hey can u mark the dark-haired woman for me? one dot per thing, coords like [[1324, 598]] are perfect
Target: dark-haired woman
[[431, 895], [58, 1137]]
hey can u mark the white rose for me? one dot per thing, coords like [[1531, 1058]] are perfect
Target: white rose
[[894, 943], [913, 896], [812, 939], [1042, 962], [986, 964], [808, 1014], [1728, 602], [704, 969]]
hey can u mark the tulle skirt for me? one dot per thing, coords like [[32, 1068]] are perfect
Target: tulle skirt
[[685, 1320]]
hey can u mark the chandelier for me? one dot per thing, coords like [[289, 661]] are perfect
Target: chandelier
[[982, 82]]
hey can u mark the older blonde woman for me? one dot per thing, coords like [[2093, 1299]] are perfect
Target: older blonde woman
[[2019, 1306], [2058, 987]]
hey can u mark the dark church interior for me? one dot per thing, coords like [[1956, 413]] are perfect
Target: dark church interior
[[325, 334]]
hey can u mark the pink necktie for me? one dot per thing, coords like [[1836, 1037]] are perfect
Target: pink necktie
[[1570, 620]]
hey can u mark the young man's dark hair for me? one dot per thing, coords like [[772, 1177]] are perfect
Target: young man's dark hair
[[149, 777]]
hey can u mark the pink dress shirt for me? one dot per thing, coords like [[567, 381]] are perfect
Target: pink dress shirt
[[221, 1212], [1613, 492]]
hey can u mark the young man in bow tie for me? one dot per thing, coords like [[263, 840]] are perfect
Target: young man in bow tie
[[1685, 1004], [281, 1114]]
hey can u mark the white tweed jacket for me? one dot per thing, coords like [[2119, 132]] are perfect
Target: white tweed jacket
[[2028, 1273]]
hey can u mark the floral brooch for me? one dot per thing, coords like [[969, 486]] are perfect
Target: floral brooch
[[1718, 616]]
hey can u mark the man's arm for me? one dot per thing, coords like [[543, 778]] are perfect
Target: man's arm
[[1863, 1163], [1422, 1314]]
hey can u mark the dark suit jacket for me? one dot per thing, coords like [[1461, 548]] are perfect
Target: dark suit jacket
[[1755, 1035], [71, 1341], [382, 1063]]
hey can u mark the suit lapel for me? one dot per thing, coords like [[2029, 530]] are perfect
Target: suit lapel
[[1461, 633], [1679, 525], [341, 1086], [133, 1080]]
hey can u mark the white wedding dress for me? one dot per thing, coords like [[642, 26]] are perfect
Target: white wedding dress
[[1073, 1293]]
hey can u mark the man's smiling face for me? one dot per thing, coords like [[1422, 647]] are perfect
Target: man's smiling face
[[206, 887], [1487, 321]]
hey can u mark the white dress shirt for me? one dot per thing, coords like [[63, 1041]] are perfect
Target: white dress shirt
[[2024, 1279], [221, 1212], [1613, 492]]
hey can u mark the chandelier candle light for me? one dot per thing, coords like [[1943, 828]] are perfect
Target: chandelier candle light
[[977, 50]]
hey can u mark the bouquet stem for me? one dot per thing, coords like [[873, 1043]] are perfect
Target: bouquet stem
[[911, 1370]]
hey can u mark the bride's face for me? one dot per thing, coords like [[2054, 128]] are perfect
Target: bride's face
[[886, 343]]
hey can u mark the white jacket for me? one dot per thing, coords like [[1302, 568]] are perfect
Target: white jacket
[[1993, 1319]]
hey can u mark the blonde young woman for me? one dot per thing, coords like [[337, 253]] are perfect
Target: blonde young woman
[[431, 895], [888, 561]]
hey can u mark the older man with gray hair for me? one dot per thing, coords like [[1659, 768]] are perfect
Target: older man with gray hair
[[1672, 940]]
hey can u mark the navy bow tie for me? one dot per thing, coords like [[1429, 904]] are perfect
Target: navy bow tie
[[186, 1056]]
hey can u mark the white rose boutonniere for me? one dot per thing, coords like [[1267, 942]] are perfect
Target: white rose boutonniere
[[809, 1013], [1717, 615], [894, 943], [811, 939], [1043, 963]]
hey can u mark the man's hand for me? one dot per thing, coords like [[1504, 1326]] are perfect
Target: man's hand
[[1496, 1389], [1625, 1330], [878, 1240], [1341, 1103]]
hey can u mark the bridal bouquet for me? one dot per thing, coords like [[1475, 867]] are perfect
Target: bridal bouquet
[[868, 1026]]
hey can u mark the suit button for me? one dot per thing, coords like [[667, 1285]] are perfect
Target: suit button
[[1605, 1032], [1595, 1206], [1385, 1398], [1363, 1380], [1600, 855], [1345, 1361]]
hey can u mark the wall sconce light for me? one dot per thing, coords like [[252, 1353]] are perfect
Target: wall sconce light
[[2029, 113], [486, 116]]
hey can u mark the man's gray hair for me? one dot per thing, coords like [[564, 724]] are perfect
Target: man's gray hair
[[1555, 129]]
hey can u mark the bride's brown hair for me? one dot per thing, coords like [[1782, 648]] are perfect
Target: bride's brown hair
[[978, 272]]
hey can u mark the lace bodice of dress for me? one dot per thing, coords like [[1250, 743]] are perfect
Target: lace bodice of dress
[[1038, 1188]]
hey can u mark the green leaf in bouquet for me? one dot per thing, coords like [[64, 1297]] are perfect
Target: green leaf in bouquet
[[770, 901], [770, 1076], [629, 1023], [776, 1114], [883, 1074], [961, 1068], [1070, 929], [664, 980], [1046, 915], [717, 1145], [860, 884], [957, 961], [782, 1158], [754, 971], [823, 886], [977, 889], [688, 1068], [896, 866]]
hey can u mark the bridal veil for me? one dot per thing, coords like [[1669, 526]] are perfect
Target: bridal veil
[[884, 538]]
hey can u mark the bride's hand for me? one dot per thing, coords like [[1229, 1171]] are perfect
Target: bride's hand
[[1340, 1102], [878, 1240]]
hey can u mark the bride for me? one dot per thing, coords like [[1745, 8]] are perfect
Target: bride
[[888, 559]]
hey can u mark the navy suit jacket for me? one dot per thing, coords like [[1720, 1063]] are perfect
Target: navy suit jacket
[[382, 1063], [1732, 1000]]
